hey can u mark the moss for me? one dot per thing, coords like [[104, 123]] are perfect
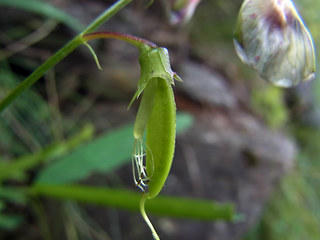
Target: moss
[[268, 103]]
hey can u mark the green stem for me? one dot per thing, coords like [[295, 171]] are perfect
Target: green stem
[[62, 53], [120, 198], [136, 41], [146, 219]]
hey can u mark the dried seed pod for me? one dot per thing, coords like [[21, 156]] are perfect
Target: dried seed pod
[[271, 37]]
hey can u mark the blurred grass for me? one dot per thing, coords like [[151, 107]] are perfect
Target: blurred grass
[[25, 126], [45, 9], [17, 168]]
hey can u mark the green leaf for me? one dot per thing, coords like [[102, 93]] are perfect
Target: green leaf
[[179, 207], [103, 154], [45, 9]]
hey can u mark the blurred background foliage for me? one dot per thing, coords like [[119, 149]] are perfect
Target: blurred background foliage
[[64, 128]]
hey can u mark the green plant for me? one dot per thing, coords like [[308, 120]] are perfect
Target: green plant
[[81, 154], [154, 115]]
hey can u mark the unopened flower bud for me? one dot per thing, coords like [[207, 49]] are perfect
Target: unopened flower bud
[[271, 37], [181, 11]]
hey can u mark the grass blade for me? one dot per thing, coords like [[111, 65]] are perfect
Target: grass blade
[[45, 9]]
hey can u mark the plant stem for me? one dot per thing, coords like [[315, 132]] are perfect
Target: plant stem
[[136, 41], [62, 53], [200, 209], [146, 219]]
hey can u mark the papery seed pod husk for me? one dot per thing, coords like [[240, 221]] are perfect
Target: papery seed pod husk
[[271, 37]]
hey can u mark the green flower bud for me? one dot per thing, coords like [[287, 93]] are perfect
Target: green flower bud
[[271, 37], [154, 63]]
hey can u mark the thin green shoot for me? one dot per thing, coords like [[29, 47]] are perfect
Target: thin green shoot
[[45, 9], [146, 219], [94, 55]]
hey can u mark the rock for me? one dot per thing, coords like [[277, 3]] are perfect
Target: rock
[[206, 86]]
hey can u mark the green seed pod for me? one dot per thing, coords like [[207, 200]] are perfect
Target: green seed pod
[[161, 134], [156, 115], [271, 37]]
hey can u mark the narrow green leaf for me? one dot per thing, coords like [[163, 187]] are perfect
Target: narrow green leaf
[[45, 9], [104, 153], [179, 207]]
